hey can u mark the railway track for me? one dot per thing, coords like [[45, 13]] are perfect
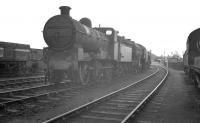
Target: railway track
[[118, 106], [14, 100], [6, 84]]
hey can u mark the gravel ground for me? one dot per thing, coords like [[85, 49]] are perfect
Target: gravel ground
[[178, 101], [83, 96]]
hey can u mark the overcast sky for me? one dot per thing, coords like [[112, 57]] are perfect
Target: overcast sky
[[159, 25]]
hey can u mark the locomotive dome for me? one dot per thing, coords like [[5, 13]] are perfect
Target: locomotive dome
[[58, 31], [86, 21]]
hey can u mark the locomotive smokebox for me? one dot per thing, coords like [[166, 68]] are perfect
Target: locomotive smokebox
[[65, 10], [61, 32]]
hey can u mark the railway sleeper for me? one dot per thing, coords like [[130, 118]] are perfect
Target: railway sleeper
[[102, 117], [16, 108], [121, 101], [108, 112], [29, 105], [53, 98], [43, 101], [115, 108], [9, 99], [20, 96], [10, 110], [117, 105]]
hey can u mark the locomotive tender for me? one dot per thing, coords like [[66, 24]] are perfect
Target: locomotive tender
[[19, 59], [78, 52]]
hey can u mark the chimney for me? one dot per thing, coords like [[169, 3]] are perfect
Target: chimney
[[64, 10]]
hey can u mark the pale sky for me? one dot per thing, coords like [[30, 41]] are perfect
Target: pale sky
[[159, 25]]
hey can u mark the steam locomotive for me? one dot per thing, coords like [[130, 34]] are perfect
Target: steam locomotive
[[83, 54], [19, 60], [191, 57]]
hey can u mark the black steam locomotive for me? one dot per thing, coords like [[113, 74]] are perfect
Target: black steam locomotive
[[19, 60], [80, 53], [191, 57]]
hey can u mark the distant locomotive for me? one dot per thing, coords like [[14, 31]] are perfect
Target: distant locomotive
[[191, 57], [19, 59], [78, 52]]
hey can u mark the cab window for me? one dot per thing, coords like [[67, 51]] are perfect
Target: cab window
[[108, 32]]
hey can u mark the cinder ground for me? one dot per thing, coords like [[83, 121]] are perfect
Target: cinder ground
[[178, 101], [84, 96]]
